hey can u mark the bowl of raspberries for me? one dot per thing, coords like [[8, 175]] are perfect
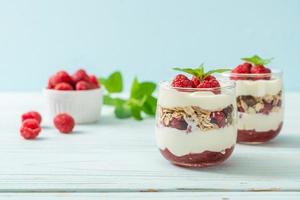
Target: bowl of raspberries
[[79, 94]]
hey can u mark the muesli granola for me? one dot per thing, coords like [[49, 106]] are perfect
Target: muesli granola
[[265, 105], [189, 117]]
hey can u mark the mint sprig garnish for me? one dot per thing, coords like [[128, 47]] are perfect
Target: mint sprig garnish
[[256, 60], [199, 71], [141, 99]]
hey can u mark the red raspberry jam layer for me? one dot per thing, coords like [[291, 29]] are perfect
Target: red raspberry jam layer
[[252, 136], [193, 160]]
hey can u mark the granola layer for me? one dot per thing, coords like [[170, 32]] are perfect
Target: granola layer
[[189, 117], [266, 104]]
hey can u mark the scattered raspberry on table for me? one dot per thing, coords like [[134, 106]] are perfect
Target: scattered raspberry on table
[[32, 115], [64, 122], [30, 129]]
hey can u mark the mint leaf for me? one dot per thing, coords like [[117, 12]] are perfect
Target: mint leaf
[[256, 60], [139, 90], [136, 112], [216, 71], [102, 80], [134, 87], [201, 68], [199, 71], [123, 111], [146, 88], [108, 100], [150, 105], [194, 72], [140, 100], [114, 83]]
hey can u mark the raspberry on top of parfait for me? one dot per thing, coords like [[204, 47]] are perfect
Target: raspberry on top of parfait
[[254, 69], [200, 78]]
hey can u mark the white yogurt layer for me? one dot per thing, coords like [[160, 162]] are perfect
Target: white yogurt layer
[[259, 88], [170, 98], [181, 143], [259, 121]]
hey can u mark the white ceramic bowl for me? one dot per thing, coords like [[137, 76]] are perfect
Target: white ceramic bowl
[[85, 105]]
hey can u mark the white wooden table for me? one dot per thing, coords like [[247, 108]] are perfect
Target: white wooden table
[[118, 159]]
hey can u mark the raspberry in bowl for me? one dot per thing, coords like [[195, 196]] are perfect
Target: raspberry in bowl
[[196, 119], [259, 96], [79, 95]]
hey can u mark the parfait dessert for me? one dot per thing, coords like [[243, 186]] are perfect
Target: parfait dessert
[[259, 96], [195, 122]]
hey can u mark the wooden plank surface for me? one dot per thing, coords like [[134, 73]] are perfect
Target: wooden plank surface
[[163, 196], [120, 156]]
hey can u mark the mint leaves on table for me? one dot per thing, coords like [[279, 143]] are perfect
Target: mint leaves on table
[[141, 99], [256, 60], [199, 71], [114, 83]]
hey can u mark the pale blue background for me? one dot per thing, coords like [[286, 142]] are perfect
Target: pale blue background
[[143, 38]]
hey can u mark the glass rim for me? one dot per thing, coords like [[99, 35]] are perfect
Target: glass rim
[[167, 85]]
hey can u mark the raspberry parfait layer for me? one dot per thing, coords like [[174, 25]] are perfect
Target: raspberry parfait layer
[[196, 127], [260, 106]]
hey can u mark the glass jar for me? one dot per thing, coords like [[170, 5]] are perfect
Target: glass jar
[[196, 127], [260, 106]]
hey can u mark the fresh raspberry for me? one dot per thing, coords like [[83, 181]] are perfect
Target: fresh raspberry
[[179, 124], [83, 85], [244, 68], [218, 118], [49, 86], [94, 81], [209, 78], [63, 86], [30, 129], [212, 83], [80, 75], [32, 115], [260, 69], [64, 122], [195, 81], [182, 81], [60, 77]]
